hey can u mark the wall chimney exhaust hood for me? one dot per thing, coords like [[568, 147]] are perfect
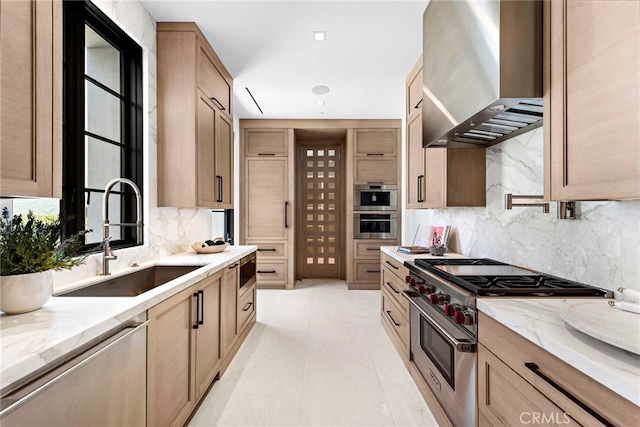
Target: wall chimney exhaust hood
[[482, 71]]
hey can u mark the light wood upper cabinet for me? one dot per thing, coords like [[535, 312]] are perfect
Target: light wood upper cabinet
[[592, 102], [195, 125], [439, 177], [31, 100], [266, 142], [375, 142]]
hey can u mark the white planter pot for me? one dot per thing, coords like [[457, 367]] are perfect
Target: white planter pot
[[25, 292]]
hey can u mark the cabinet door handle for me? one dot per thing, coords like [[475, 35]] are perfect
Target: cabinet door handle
[[247, 307], [219, 179], [392, 288], [266, 271], [420, 190], [196, 325], [418, 104], [286, 214], [233, 266], [267, 250], [536, 370], [392, 319], [373, 271], [393, 266], [375, 154], [201, 320], [218, 104]]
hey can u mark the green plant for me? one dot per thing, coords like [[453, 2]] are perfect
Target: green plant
[[31, 245]]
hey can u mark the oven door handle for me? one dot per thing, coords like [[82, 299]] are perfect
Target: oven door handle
[[461, 346]]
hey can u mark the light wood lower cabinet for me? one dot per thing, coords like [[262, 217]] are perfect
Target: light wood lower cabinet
[[519, 383], [184, 351], [228, 308], [395, 308]]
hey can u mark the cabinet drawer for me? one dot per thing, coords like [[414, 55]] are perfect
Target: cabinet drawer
[[212, 84], [271, 273], [246, 308], [367, 271], [370, 248], [375, 142], [395, 266], [394, 286], [266, 142], [379, 170], [395, 320], [270, 249]]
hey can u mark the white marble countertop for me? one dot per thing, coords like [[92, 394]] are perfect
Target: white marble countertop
[[31, 341], [539, 321], [392, 251]]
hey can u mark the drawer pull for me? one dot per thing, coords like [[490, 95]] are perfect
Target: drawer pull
[[392, 288], [231, 267], [266, 154], [266, 271], [375, 154], [373, 271], [373, 249], [536, 370], [391, 265], [267, 250], [392, 319], [247, 307], [218, 104]]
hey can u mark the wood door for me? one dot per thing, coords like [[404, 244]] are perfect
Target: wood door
[[171, 393], [208, 333], [224, 161], [415, 163], [205, 168], [594, 69], [267, 205], [31, 101], [320, 223]]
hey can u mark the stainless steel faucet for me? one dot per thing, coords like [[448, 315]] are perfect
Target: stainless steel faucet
[[107, 254]]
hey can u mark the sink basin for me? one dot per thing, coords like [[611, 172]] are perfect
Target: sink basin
[[132, 284]]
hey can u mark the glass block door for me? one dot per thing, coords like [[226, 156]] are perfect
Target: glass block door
[[320, 236]]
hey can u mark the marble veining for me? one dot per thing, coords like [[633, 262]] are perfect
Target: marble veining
[[538, 320], [30, 341], [601, 247]]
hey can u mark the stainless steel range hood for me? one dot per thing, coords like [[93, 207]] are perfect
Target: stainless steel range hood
[[482, 71]]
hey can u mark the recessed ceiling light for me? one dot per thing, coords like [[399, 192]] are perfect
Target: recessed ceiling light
[[319, 36], [320, 90], [321, 103]]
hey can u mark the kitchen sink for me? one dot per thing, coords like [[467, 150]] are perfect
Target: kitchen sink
[[132, 284]]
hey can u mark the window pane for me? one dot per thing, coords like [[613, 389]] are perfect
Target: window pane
[[93, 215], [102, 115], [102, 60], [102, 163]]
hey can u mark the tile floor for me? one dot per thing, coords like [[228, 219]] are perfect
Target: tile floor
[[317, 356]]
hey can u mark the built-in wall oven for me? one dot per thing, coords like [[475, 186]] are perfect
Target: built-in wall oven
[[368, 225], [375, 198]]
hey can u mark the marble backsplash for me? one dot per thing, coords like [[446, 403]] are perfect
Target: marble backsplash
[[600, 247]]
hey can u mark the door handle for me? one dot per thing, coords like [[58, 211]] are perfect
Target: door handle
[[196, 325], [201, 320], [219, 179], [420, 190], [247, 307], [286, 214], [218, 104]]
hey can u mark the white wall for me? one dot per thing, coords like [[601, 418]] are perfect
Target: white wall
[[167, 230], [600, 247]]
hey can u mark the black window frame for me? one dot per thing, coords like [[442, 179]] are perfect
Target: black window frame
[[75, 15]]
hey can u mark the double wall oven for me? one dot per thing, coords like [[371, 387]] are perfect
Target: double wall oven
[[375, 211], [443, 316]]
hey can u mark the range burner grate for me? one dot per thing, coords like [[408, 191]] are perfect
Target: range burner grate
[[524, 285], [427, 262]]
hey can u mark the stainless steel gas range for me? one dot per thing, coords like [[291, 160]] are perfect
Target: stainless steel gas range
[[443, 319]]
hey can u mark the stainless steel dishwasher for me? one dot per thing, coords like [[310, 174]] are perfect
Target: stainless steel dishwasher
[[104, 385]]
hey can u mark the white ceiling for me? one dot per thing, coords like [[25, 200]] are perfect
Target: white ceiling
[[268, 47]]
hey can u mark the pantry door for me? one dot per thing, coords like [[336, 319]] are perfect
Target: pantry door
[[320, 237]]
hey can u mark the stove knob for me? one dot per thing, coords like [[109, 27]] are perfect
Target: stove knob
[[462, 318], [421, 289], [434, 298], [449, 310], [407, 279], [412, 282]]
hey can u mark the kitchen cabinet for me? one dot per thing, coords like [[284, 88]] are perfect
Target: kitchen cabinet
[[366, 261], [439, 177], [395, 308], [228, 309], [375, 156], [518, 380], [592, 125], [184, 352], [31, 101], [195, 122], [267, 210]]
